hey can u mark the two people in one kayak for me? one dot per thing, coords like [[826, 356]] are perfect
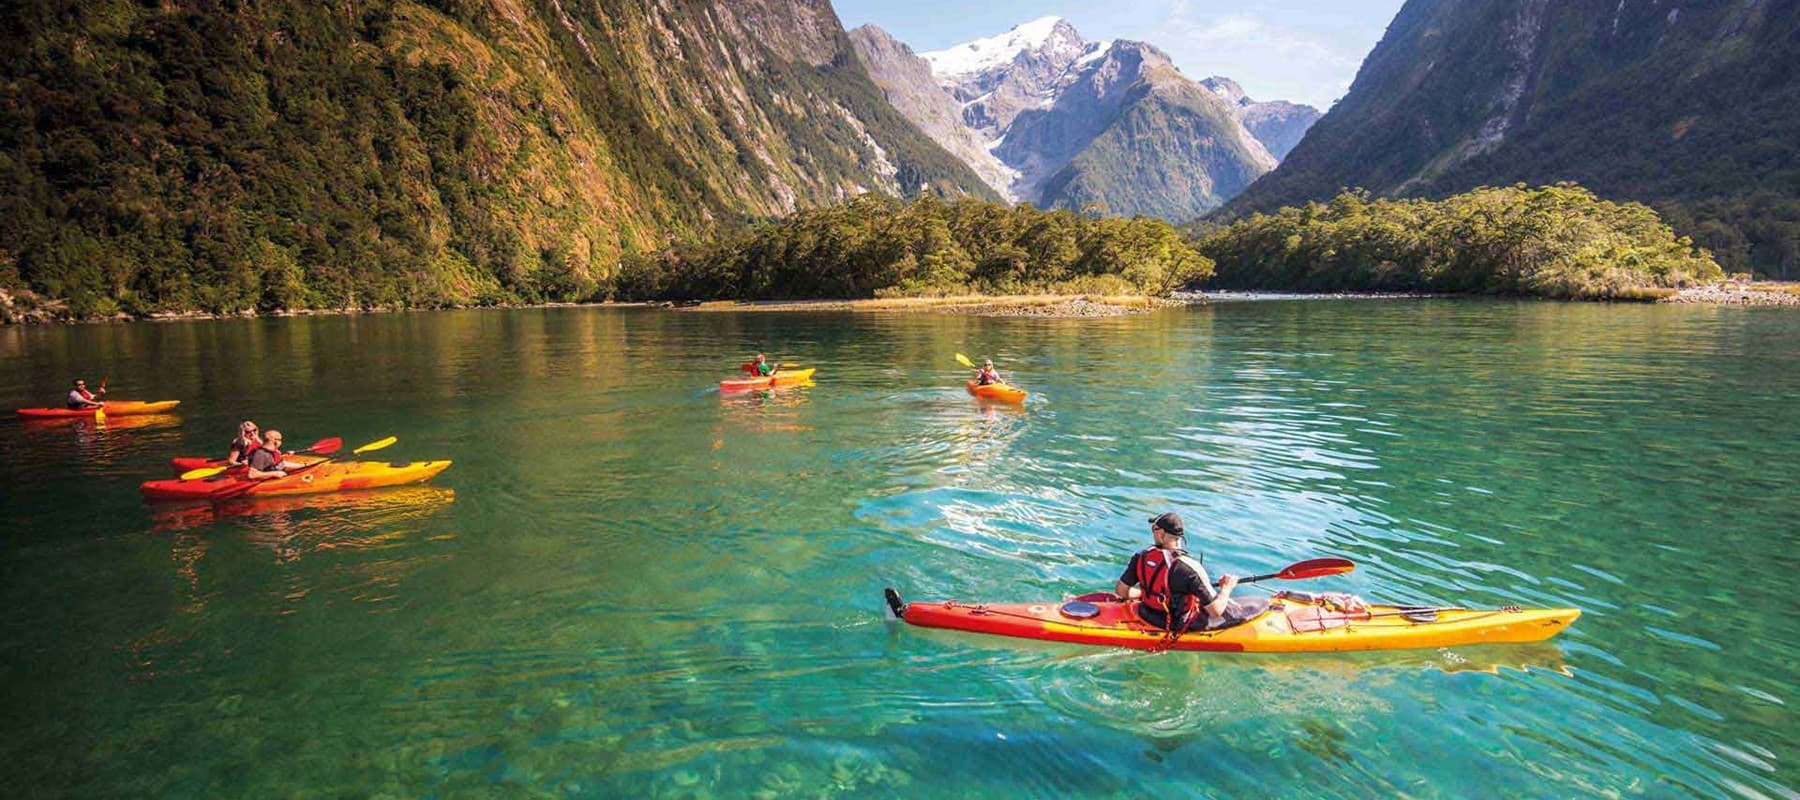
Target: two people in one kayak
[[1173, 589], [261, 457], [80, 397]]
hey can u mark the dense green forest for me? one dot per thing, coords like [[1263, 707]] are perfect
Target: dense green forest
[[187, 155], [1553, 241], [876, 246]]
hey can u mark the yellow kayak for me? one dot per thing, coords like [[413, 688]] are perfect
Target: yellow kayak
[[1292, 624]]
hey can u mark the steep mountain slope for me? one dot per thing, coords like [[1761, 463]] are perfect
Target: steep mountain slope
[[1278, 124], [905, 80], [1692, 106], [285, 154], [1099, 124]]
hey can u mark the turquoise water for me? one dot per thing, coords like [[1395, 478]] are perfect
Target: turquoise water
[[629, 585]]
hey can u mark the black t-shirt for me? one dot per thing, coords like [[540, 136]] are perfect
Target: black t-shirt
[[1185, 579]]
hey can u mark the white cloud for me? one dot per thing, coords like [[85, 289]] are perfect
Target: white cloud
[[1271, 61]]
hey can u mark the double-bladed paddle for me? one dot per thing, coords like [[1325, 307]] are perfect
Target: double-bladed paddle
[[1302, 570], [322, 447], [1297, 571]]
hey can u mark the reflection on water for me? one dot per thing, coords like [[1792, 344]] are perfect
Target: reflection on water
[[629, 587]]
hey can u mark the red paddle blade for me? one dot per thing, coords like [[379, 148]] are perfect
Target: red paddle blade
[[325, 447], [1316, 568]]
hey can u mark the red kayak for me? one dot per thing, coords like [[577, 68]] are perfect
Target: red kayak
[[114, 408]]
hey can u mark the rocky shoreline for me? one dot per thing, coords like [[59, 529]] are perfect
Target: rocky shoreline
[[1068, 306], [1732, 293]]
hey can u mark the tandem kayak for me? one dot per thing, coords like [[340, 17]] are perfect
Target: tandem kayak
[[186, 463], [114, 408], [1292, 624], [337, 476], [1004, 393], [778, 379]]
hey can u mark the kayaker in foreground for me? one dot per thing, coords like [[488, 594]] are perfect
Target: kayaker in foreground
[[242, 446], [987, 374], [268, 461], [1174, 592], [80, 397], [761, 367]]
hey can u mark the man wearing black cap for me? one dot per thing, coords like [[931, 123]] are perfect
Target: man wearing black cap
[[1175, 593]]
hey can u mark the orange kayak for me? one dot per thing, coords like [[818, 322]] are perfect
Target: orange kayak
[[336, 476], [114, 408], [778, 379], [1290, 625], [1002, 392]]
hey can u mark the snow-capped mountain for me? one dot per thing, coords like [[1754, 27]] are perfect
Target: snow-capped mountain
[[1074, 123]]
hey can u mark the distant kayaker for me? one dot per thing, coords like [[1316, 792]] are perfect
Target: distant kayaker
[[80, 397], [1174, 592], [247, 442], [987, 374], [762, 368], [268, 461]]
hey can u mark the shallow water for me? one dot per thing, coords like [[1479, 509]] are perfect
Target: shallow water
[[629, 585]]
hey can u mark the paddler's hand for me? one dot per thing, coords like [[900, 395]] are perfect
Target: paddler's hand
[[1227, 582]]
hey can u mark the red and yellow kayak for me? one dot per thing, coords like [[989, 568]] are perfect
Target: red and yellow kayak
[[114, 408], [337, 476], [778, 379], [1290, 625], [1002, 392]]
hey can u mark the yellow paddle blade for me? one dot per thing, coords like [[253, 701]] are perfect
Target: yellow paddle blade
[[375, 445], [964, 360], [203, 472]]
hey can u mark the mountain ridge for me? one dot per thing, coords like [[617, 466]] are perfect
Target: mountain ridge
[[1693, 108], [1046, 102]]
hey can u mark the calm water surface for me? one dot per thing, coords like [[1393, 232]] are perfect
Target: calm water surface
[[629, 585]]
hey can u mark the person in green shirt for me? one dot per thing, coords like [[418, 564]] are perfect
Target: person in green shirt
[[761, 367]]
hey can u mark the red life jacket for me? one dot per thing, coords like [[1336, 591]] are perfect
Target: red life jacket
[[250, 445], [1153, 566]]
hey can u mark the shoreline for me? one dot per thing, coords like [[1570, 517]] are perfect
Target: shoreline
[[1724, 293], [1016, 305]]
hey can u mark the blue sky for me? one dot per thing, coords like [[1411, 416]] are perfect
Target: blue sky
[[1306, 51]]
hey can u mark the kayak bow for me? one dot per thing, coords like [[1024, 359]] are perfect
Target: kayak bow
[[1002, 392]]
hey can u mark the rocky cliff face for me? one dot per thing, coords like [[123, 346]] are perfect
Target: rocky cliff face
[[386, 152], [905, 80], [1108, 124], [1691, 106], [1278, 125]]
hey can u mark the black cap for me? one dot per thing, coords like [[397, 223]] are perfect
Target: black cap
[[1169, 522]]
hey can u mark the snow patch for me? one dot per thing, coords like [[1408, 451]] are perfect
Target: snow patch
[[994, 51], [1096, 51]]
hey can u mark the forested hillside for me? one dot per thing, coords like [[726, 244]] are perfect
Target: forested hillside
[[875, 246], [381, 153], [1552, 241], [1691, 107]]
